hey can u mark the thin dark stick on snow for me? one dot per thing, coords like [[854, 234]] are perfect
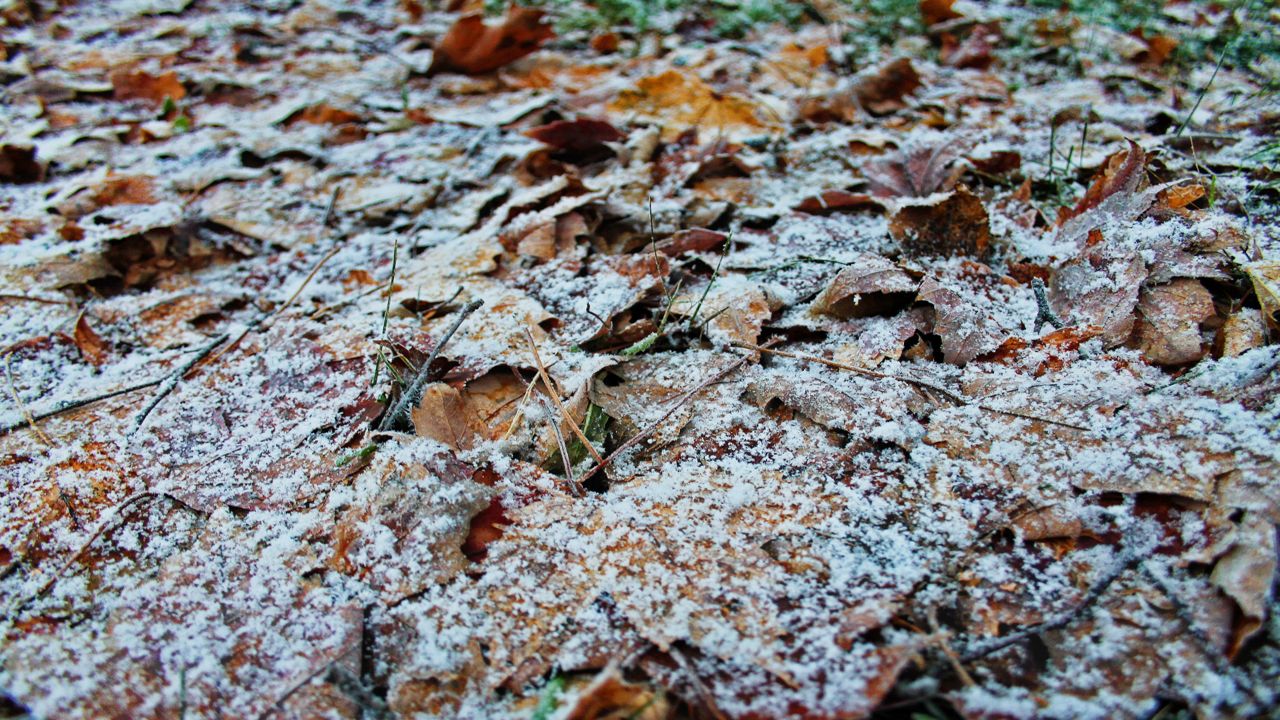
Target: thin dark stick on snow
[[555, 397], [708, 702], [413, 393], [564, 458], [130, 503], [923, 385], [982, 649], [70, 405], [172, 382], [640, 436], [1044, 313]]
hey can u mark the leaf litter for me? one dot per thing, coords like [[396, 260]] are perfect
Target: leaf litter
[[659, 362]]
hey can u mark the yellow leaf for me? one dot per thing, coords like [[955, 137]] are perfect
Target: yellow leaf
[[680, 101]]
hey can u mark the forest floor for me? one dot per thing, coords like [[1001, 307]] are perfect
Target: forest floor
[[639, 359]]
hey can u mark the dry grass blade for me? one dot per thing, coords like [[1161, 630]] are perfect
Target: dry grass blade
[[22, 407], [555, 397], [640, 436]]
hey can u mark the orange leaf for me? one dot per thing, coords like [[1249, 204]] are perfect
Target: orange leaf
[[936, 11], [1122, 173], [92, 346], [472, 47], [137, 85]]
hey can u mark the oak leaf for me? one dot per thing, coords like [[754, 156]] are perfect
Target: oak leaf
[[473, 47], [680, 101]]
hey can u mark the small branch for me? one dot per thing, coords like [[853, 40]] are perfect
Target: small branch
[[640, 436], [114, 522], [1044, 313], [927, 386], [411, 394], [22, 407], [555, 397], [982, 649], [172, 382], [953, 397], [708, 702], [76, 404]]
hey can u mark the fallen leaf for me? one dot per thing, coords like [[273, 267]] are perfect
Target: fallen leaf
[[917, 171], [956, 225], [882, 92], [1099, 287], [18, 164], [473, 47], [680, 101], [579, 135], [1169, 317], [140, 85], [1265, 275], [94, 349], [936, 11], [964, 328], [1242, 331], [1123, 174], [1246, 573], [870, 285]]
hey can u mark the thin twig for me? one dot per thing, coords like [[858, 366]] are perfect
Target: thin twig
[[306, 281], [564, 457], [555, 397], [412, 393], [982, 649], [708, 702], [927, 386], [172, 381], [76, 404], [640, 436], [1044, 313], [113, 523], [22, 407], [28, 298]]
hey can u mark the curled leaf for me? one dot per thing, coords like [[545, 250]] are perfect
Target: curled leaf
[[473, 47]]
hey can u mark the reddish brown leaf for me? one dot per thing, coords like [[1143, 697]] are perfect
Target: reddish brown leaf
[[936, 11], [578, 135], [955, 226], [19, 165], [1122, 174], [882, 92], [138, 85], [834, 201], [869, 286], [472, 47], [94, 349], [917, 171]]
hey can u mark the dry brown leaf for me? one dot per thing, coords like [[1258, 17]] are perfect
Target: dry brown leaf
[[473, 47], [1123, 174], [1265, 275], [883, 92], [95, 350], [680, 101], [140, 85], [1246, 573], [1242, 331], [965, 329], [918, 171], [956, 225], [18, 164], [936, 11], [1100, 287], [440, 416], [870, 285], [1169, 317]]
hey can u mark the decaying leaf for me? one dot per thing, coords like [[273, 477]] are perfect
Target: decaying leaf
[[94, 349], [141, 85], [883, 91], [1168, 329], [474, 47], [956, 225], [679, 101], [1265, 275], [915, 172], [870, 285]]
